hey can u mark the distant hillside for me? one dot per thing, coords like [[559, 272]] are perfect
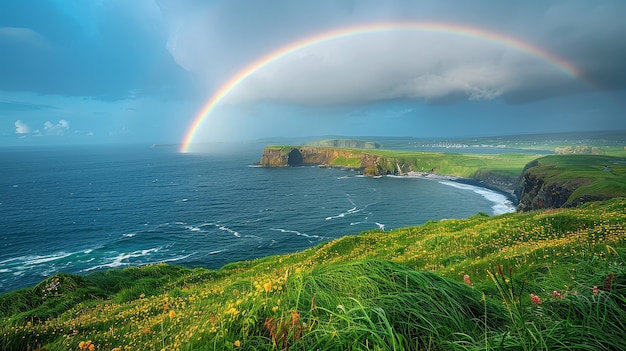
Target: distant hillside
[[500, 171], [346, 143]]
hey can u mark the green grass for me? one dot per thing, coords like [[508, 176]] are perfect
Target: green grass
[[585, 173], [399, 290], [461, 165]]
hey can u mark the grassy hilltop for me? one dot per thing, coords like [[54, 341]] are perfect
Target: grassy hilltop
[[542, 280]]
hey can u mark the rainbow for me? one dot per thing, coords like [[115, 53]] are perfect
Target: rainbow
[[459, 30]]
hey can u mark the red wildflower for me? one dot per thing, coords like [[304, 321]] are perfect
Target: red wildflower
[[535, 299], [466, 279]]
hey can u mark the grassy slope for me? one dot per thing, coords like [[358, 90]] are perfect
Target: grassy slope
[[586, 171], [394, 290]]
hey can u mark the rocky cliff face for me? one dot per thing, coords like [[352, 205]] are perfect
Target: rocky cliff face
[[536, 190], [368, 164], [316, 156]]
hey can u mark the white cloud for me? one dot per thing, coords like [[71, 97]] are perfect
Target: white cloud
[[56, 129], [21, 127]]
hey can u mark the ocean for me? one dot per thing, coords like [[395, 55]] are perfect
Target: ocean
[[83, 209]]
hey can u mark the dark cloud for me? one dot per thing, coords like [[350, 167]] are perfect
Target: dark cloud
[[217, 41]]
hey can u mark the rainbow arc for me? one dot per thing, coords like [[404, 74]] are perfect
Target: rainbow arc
[[200, 119]]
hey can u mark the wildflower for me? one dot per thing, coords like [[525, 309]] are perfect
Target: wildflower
[[172, 314], [268, 286], [595, 290], [275, 308], [535, 299], [237, 343], [557, 294], [466, 279]]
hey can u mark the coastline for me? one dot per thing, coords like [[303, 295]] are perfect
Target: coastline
[[502, 199]]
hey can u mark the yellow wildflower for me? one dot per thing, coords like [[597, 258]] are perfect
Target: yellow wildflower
[[172, 314], [237, 343], [268, 286]]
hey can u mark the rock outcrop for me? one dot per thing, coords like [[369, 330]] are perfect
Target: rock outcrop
[[546, 183], [282, 156]]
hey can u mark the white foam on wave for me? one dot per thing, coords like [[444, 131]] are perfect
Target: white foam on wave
[[295, 232], [226, 229], [216, 252], [122, 259], [174, 259], [501, 203], [353, 210], [128, 235], [35, 260]]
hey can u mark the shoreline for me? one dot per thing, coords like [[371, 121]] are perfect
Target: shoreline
[[510, 201]]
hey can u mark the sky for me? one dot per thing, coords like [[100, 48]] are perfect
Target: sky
[[144, 71]]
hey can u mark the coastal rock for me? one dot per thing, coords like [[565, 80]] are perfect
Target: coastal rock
[[543, 185], [368, 164]]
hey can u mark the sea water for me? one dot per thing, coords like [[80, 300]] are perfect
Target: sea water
[[83, 209]]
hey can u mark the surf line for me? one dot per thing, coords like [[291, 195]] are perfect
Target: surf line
[[436, 27]]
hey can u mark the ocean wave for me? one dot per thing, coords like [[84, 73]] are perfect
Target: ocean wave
[[296, 232], [501, 203], [174, 259], [35, 260], [226, 229], [353, 210], [122, 259]]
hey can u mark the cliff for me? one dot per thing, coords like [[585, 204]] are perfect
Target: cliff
[[570, 181], [282, 156], [371, 163]]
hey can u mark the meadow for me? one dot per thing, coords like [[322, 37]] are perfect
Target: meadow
[[540, 280]]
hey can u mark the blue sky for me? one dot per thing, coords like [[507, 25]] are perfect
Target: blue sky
[[117, 71]]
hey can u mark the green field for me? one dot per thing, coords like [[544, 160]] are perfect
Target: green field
[[542, 280]]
